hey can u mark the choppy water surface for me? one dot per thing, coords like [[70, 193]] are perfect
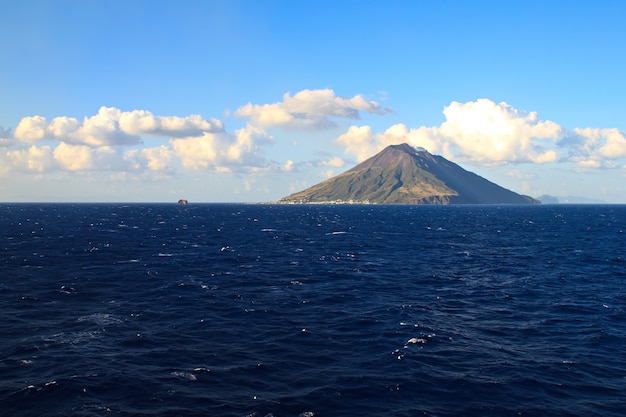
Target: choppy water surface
[[263, 310]]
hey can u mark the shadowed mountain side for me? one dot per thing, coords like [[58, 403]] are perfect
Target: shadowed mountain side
[[400, 174]]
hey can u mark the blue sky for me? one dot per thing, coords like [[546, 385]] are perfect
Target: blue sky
[[220, 101]]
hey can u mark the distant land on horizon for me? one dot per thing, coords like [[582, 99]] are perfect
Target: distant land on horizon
[[401, 174], [550, 199]]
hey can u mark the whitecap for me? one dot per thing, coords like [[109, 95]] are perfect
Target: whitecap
[[100, 318], [129, 261], [185, 375]]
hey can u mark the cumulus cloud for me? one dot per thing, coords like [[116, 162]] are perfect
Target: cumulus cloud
[[114, 140], [487, 132], [363, 142], [113, 127], [197, 152], [142, 122], [335, 162], [220, 151], [594, 148], [288, 166], [157, 159], [63, 128], [36, 159], [102, 129], [309, 109], [74, 157], [223, 151], [482, 131], [96, 142], [31, 129]]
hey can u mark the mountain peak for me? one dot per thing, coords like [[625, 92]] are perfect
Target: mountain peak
[[402, 174]]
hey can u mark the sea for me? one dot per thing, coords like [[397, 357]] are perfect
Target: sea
[[261, 310]]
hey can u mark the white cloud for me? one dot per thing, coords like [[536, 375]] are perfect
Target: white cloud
[[62, 127], [487, 132], [74, 157], [195, 142], [31, 129], [483, 132], [479, 132], [70, 157], [142, 122], [361, 141], [113, 127], [247, 147], [33, 159], [309, 109], [157, 159], [92, 143], [288, 166], [335, 162], [595, 148], [223, 151], [197, 152], [102, 129]]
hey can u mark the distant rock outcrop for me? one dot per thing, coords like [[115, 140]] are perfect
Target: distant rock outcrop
[[183, 202], [401, 174]]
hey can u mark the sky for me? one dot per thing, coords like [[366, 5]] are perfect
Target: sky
[[249, 101]]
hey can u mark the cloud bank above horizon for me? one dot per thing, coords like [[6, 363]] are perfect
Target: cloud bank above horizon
[[480, 133], [485, 133]]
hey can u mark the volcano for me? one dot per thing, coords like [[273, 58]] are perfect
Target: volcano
[[401, 174]]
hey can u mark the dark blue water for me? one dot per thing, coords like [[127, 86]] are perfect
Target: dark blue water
[[263, 310]]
